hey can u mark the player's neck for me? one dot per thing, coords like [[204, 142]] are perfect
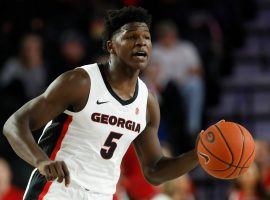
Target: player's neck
[[122, 80], [120, 74]]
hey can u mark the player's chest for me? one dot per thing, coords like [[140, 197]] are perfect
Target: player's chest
[[106, 117]]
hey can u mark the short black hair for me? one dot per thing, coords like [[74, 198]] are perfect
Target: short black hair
[[115, 19]]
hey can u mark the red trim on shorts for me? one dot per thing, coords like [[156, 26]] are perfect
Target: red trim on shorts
[[53, 155]]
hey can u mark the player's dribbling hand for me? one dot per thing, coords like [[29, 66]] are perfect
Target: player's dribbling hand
[[54, 170]]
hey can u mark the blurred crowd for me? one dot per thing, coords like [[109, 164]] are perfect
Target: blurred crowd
[[192, 49]]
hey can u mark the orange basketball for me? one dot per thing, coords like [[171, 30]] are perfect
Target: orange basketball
[[226, 150]]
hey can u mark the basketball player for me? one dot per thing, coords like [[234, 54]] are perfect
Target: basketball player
[[94, 113]]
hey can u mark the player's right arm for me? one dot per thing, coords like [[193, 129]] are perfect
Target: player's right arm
[[69, 89]]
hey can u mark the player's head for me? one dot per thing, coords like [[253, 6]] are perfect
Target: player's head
[[127, 36]]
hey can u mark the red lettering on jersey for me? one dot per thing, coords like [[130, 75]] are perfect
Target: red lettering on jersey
[[115, 121], [138, 128], [112, 120], [121, 122], [128, 124], [104, 119], [95, 117]]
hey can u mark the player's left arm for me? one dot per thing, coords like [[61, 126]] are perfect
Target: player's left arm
[[155, 166]]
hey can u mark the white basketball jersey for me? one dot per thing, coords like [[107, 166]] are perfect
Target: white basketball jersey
[[95, 139]]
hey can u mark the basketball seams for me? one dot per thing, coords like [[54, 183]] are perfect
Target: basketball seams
[[247, 161], [232, 161], [213, 154], [230, 165], [248, 156], [242, 153]]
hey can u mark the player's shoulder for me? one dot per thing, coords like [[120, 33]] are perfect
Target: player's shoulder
[[75, 76], [72, 81], [153, 111], [152, 97]]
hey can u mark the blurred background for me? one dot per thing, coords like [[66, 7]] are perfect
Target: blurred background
[[211, 56]]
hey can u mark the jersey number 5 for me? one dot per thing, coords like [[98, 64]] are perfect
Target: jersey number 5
[[110, 145]]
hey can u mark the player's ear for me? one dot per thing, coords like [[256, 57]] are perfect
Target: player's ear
[[110, 47]]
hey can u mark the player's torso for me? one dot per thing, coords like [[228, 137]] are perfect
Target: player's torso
[[95, 139]]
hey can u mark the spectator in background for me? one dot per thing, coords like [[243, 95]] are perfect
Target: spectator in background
[[180, 64], [262, 159], [96, 28], [22, 77], [7, 190], [178, 189], [150, 77], [72, 53], [28, 68], [249, 186], [207, 36], [73, 49]]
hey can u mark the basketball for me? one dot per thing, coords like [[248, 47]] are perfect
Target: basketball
[[226, 150]]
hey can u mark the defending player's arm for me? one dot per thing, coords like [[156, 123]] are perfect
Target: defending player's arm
[[67, 90], [156, 167]]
